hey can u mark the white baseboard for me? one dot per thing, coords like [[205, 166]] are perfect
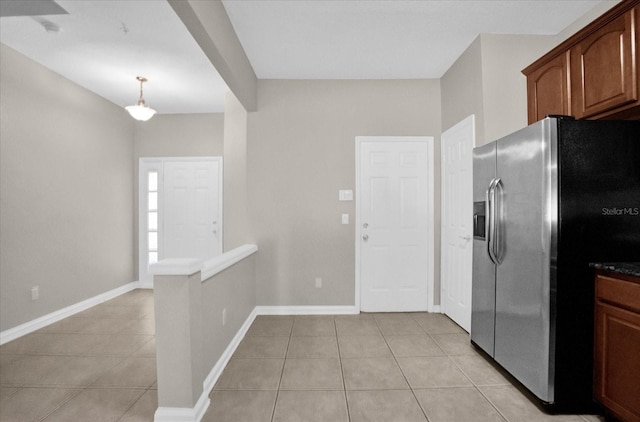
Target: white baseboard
[[144, 284], [306, 310], [183, 414], [33, 325]]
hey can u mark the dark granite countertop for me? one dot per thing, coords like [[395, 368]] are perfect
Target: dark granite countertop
[[628, 268]]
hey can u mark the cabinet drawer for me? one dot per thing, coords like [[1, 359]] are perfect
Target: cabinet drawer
[[622, 293]]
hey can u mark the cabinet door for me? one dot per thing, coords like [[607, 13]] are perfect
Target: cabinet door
[[603, 68], [616, 366], [548, 89]]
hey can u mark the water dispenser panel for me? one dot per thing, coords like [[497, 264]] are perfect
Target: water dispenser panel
[[479, 213]]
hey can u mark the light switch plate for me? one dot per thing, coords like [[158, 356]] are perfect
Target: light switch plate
[[345, 195], [345, 218]]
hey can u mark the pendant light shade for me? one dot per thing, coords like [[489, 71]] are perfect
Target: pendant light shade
[[140, 111]]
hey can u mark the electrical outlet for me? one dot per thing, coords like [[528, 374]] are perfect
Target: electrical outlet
[[35, 292], [318, 283], [224, 316]]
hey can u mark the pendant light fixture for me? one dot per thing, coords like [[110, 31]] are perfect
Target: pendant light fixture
[[140, 111]]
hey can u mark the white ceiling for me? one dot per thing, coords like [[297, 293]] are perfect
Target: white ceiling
[[361, 39], [104, 44]]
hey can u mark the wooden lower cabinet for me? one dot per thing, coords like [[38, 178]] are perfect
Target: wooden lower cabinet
[[617, 345]]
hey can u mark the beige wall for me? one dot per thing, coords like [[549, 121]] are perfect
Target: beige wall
[[236, 221], [233, 289], [66, 193], [486, 80], [178, 135], [69, 186], [173, 135], [504, 86], [462, 90], [301, 151]]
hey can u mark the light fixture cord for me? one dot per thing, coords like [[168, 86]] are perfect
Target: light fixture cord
[[141, 101]]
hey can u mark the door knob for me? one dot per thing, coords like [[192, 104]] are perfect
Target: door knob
[[365, 237]]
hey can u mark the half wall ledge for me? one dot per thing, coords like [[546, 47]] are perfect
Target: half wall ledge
[[193, 344], [208, 268]]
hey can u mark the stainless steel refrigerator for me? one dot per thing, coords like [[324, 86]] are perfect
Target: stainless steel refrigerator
[[548, 200]]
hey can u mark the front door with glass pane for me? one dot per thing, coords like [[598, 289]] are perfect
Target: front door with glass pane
[[180, 205]]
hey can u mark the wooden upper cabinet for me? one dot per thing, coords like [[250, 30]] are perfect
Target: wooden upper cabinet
[[603, 68], [548, 89], [595, 74]]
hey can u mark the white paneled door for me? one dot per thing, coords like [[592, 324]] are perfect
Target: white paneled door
[[394, 244], [456, 222], [191, 209], [180, 209]]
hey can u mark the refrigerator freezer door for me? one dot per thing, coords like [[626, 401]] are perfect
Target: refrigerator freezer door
[[526, 213], [484, 271]]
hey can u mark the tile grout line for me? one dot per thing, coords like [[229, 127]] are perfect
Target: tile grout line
[[473, 384], [477, 388], [284, 363], [395, 359], [344, 383], [503, 416], [467, 376], [71, 397], [132, 404]]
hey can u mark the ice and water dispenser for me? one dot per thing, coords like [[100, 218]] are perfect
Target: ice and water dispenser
[[479, 211]]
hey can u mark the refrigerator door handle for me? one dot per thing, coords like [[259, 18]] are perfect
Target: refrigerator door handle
[[488, 219], [490, 222], [496, 234]]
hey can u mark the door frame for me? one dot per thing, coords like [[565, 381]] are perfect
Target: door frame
[[429, 140], [157, 163]]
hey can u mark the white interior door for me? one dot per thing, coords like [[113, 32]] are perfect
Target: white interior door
[[191, 208], [394, 217], [456, 222], [180, 210]]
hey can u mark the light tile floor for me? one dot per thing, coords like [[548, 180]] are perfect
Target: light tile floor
[[99, 365]]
